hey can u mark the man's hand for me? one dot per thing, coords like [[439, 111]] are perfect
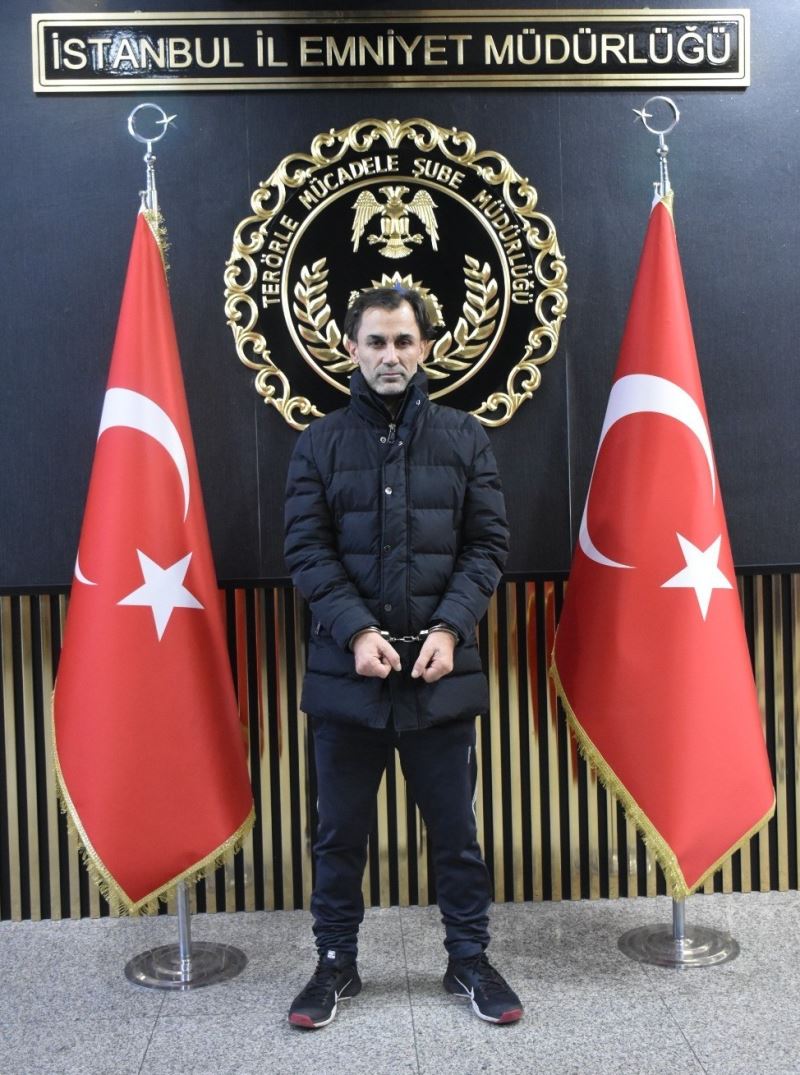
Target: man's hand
[[435, 658], [374, 656]]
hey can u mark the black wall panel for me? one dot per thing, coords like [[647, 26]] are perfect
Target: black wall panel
[[70, 176]]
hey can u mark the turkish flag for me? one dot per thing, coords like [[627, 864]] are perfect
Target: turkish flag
[[149, 752], [650, 656]]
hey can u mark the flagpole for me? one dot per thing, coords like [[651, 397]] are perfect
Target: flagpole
[[676, 947], [149, 195], [662, 186], [699, 946], [185, 965]]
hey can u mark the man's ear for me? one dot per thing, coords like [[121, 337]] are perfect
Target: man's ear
[[426, 349], [351, 348]]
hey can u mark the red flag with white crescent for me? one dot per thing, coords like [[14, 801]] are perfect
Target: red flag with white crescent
[[650, 656], [149, 752]]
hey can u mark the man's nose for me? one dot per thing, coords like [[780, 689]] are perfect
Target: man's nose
[[390, 354]]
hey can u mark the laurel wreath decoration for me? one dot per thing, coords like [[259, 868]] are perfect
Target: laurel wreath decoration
[[525, 377], [458, 350], [459, 147], [314, 313]]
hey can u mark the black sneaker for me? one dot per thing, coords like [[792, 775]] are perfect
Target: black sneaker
[[315, 1006], [492, 997]]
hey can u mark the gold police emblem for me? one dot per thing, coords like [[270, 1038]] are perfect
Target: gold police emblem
[[395, 232], [384, 202]]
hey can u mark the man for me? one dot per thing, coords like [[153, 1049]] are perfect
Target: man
[[395, 527]]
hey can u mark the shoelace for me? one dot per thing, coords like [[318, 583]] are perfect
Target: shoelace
[[321, 982], [491, 981]]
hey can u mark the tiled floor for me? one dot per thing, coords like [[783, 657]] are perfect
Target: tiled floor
[[65, 1006]]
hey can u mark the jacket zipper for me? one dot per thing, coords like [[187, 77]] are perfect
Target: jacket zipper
[[392, 431]]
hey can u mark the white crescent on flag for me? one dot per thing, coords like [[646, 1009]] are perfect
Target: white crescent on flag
[[125, 408], [79, 575], [643, 393]]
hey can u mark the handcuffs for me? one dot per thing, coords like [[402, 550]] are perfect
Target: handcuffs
[[405, 638], [420, 637]]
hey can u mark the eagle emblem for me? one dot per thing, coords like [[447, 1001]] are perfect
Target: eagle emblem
[[395, 223]]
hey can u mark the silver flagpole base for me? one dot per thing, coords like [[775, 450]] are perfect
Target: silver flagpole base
[[163, 968], [699, 946], [186, 965]]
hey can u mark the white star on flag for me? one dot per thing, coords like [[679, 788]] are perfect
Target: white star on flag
[[163, 590], [701, 574]]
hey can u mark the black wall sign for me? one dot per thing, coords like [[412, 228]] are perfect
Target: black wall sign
[[85, 53]]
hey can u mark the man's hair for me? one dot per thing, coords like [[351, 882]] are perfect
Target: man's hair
[[388, 298]]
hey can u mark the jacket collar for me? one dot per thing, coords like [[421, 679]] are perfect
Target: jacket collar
[[371, 406]]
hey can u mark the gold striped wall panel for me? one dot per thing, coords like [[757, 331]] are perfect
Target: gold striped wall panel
[[548, 829]]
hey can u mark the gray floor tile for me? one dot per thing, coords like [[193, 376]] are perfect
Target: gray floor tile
[[71, 970], [757, 1031], [355, 1042], [66, 1006], [91, 1045], [452, 1041]]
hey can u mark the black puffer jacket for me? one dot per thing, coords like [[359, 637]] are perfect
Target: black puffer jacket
[[401, 523]]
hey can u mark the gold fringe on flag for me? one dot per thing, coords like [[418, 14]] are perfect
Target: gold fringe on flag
[[653, 840], [104, 880]]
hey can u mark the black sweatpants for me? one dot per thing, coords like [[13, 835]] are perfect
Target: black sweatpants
[[440, 769]]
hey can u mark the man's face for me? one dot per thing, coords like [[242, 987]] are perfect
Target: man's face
[[389, 348]]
